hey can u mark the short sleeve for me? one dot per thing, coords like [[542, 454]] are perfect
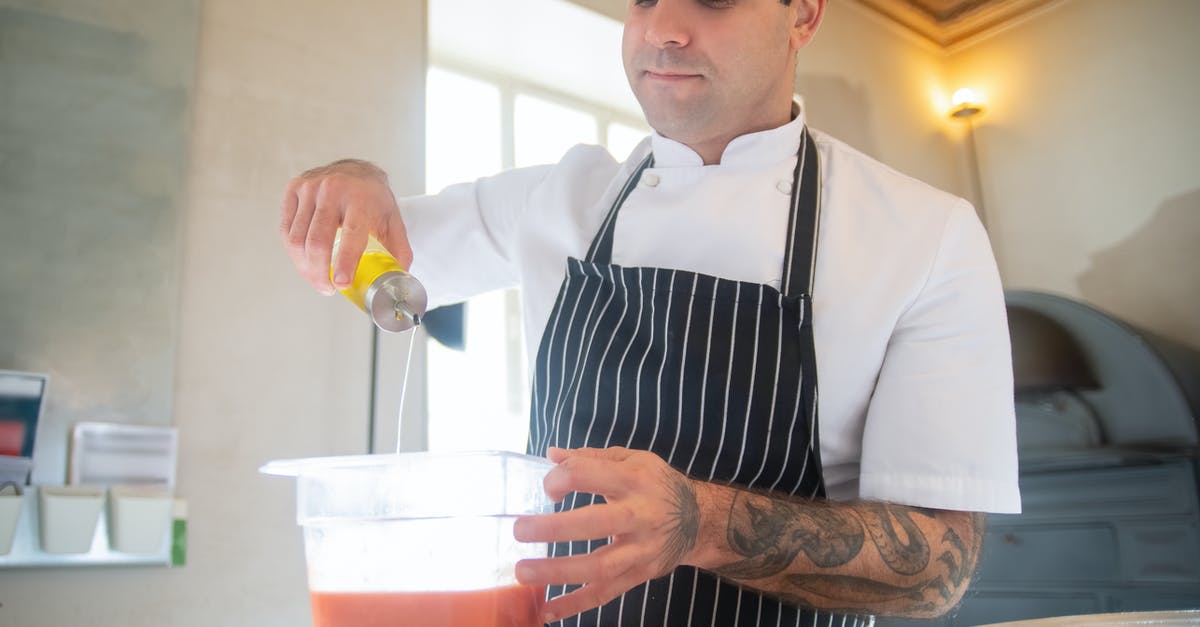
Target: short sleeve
[[940, 429], [463, 238]]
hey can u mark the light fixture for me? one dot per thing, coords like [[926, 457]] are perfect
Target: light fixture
[[966, 103]]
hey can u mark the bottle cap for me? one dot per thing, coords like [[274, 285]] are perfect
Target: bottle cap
[[396, 301]]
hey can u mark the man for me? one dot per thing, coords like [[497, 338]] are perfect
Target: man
[[679, 309]]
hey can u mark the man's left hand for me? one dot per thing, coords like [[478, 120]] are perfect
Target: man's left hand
[[651, 518]]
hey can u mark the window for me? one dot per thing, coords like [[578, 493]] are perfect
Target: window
[[460, 110], [622, 139], [514, 105], [544, 130], [480, 110]]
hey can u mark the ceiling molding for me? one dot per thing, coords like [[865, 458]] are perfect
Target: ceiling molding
[[949, 23], [611, 8]]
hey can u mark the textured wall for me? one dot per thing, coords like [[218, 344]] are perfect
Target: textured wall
[[1090, 156], [266, 367], [880, 89], [95, 115]]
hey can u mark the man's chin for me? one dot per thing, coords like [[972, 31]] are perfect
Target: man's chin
[[678, 120]]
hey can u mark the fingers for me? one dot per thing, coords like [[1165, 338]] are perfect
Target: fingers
[[350, 248], [296, 238], [294, 215], [326, 218], [587, 473], [287, 211], [609, 562], [613, 453], [586, 523], [350, 194], [607, 572], [595, 470], [637, 488], [584, 599]]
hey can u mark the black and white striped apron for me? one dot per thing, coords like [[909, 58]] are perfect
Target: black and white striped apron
[[717, 377]]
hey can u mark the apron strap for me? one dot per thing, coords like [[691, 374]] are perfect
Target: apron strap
[[803, 219], [800, 261], [601, 248]]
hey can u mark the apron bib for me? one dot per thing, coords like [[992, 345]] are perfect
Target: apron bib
[[717, 377]]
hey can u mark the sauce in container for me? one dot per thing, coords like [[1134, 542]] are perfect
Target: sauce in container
[[419, 539], [510, 606]]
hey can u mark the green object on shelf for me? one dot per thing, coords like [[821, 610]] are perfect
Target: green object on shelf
[[179, 542]]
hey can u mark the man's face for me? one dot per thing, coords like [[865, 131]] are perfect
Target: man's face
[[704, 69]]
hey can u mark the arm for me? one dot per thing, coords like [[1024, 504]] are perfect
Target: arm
[[871, 558], [862, 557], [460, 238]]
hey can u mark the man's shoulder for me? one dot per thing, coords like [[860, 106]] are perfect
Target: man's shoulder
[[584, 174], [587, 156], [581, 164], [879, 185], [905, 222]]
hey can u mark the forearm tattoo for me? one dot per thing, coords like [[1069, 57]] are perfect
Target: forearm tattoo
[[770, 533], [906, 558], [684, 519]]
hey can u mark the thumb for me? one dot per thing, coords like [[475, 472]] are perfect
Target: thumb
[[395, 238], [612, 453]]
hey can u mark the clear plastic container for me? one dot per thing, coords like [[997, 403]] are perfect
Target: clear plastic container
[[418, 538]]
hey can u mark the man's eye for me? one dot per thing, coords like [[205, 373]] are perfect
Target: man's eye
[[716, 4]]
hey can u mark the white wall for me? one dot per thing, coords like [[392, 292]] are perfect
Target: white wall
[[883, 91], [266, 367], [1090, 156]]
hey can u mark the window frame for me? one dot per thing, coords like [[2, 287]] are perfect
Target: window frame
[[391, 351]]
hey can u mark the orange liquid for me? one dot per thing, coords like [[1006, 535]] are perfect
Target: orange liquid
[[512, 606]]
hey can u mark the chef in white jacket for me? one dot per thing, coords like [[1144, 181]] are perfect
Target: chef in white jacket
[[774, 374]]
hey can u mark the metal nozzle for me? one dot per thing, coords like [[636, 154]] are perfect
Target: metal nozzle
[[403, 312], [396, 301]]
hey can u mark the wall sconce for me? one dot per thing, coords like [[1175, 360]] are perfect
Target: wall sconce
[[966, 105]]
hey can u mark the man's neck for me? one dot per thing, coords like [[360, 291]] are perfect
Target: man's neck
[[712, 149]]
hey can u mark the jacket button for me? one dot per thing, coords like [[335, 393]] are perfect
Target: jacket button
[[784, 186], [649, 179]]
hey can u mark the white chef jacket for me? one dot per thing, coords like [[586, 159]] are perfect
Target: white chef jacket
[[913, 359]]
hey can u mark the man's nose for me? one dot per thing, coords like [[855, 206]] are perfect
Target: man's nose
[[667, 24]]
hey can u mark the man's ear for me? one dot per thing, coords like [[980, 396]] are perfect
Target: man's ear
[[808, 19]]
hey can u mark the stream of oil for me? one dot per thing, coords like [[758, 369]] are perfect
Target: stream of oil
[[412, 339]]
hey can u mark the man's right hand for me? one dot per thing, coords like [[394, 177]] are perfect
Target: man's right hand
[[350, 194]]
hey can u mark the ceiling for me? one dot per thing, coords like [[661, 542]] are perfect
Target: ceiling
[[951, 22]]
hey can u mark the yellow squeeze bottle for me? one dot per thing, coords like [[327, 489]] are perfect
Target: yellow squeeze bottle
[[393, 298]]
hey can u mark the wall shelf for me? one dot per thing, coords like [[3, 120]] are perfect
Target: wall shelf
[[27, 552]]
